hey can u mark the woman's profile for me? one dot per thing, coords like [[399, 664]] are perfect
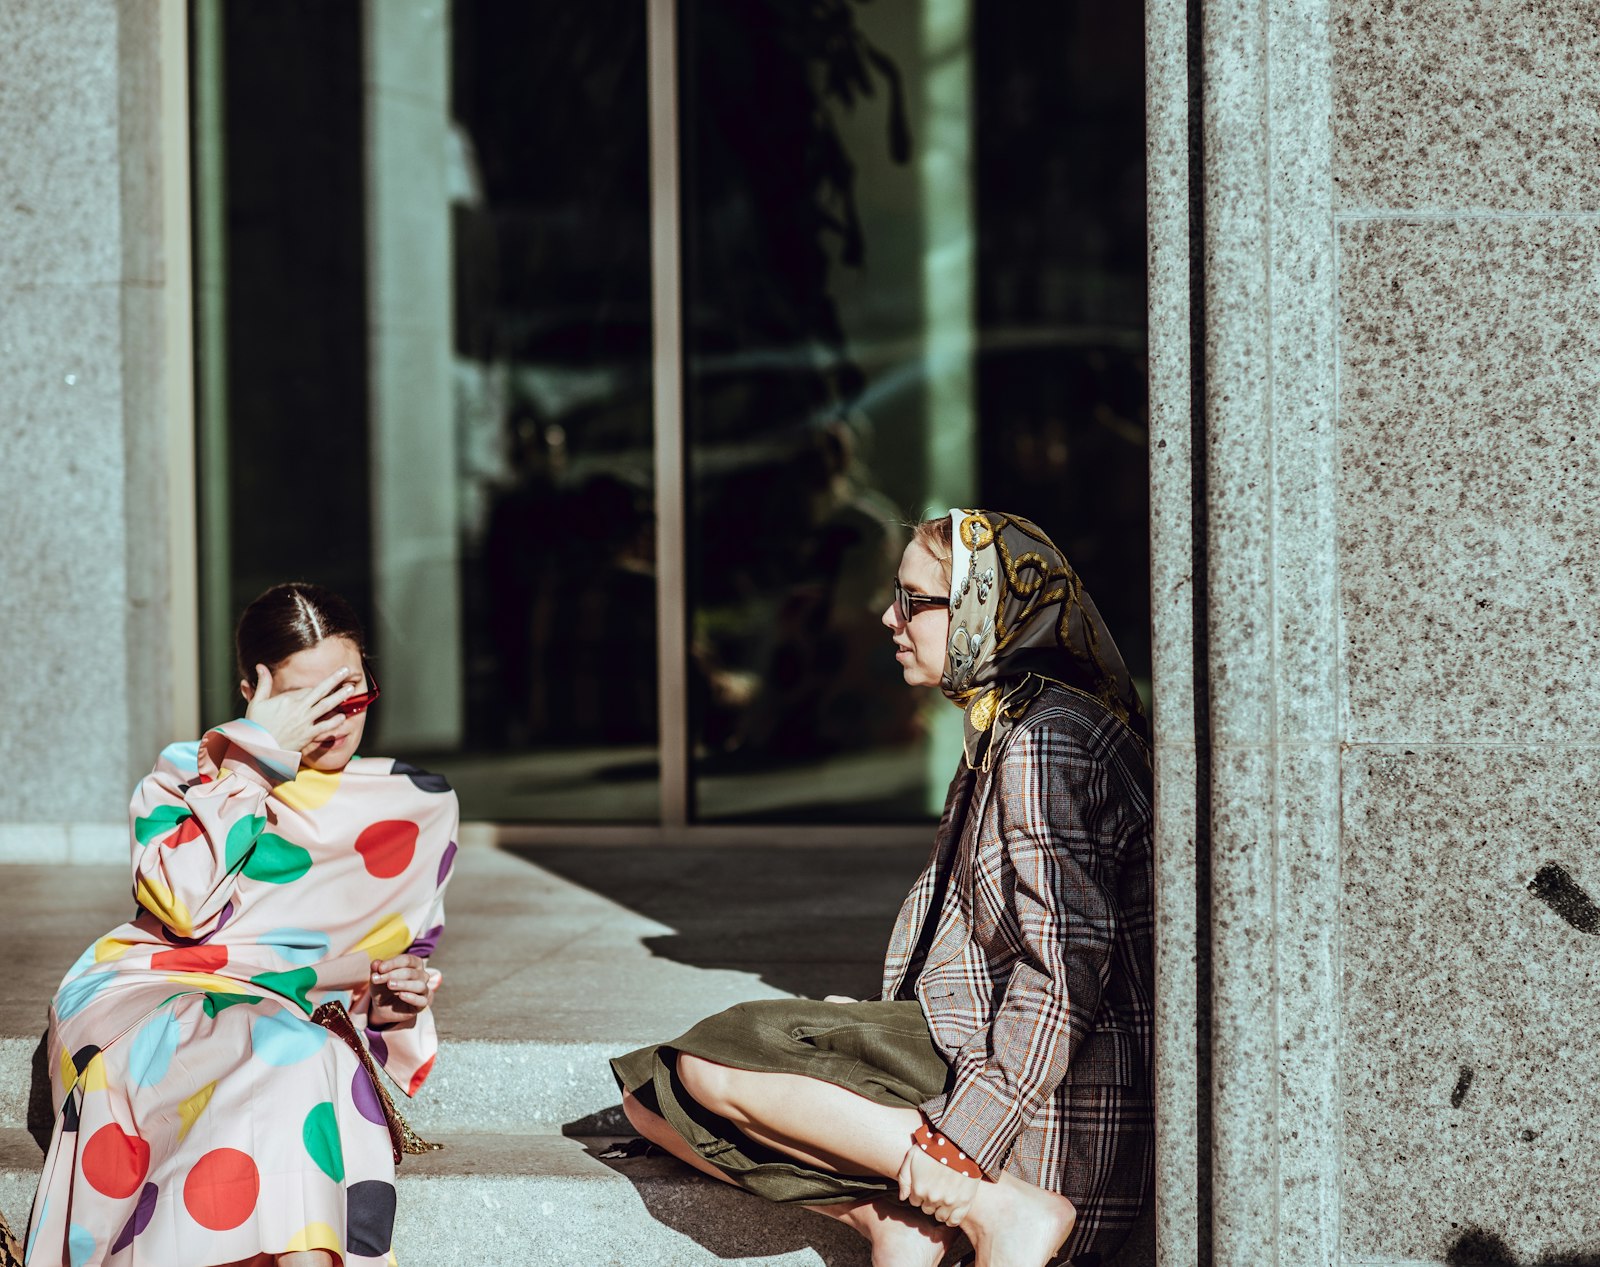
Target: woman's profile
[[202, 1117], [1000, 1087]]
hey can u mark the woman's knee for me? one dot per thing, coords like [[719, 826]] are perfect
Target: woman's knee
[[709, 1084]]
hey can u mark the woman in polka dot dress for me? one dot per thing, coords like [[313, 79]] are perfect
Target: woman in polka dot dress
[[202, 1118]]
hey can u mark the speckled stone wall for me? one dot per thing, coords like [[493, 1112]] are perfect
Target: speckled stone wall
[[1377, 559], [84, 478], [1469, 563]]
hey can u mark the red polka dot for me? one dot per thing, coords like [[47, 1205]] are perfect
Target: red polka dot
[[221, 1189], [387, 847], [421, 1076], [188, 829], [115, 1163], [191, 959]]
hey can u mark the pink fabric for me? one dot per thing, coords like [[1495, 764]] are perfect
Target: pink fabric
[[201, 1117]]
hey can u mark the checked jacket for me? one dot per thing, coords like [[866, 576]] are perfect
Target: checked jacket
[[1038, 968]]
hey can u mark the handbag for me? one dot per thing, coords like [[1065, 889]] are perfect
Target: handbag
[[10, 1251], [402, 1139]]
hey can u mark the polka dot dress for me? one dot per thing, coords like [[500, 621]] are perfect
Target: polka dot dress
[[202, 1118]]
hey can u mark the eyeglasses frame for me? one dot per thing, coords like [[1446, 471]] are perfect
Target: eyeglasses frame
[[907, 603]]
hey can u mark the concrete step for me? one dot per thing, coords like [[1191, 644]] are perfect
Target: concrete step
[[554, 959], [550, 1201]]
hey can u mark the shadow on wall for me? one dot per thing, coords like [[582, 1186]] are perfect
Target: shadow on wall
[[1478, 1248], [809, 921]]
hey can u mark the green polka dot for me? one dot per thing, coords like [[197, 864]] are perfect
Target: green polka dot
[[217, 1002], [275, 861], [321, 1134], [160, 820], [240, 837], [294, 984]]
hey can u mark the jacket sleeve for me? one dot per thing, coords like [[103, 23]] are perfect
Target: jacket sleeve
[[407, 1052], [1062, 922], [194, 828]]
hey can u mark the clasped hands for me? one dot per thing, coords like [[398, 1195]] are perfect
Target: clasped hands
[[939, 1192], [402, 987], [943, 1194]]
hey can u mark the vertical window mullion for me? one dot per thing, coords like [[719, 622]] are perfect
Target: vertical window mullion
[[666, 264]]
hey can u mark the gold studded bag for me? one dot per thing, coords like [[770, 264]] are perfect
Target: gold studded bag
[[402, 1139], [10, 1251]]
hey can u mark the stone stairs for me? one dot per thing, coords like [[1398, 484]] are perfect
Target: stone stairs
[[554, 959]]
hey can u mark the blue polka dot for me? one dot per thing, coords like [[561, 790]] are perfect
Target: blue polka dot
[[300, 946], [84, 962], [183, 757], [281, 1038], [75, 995], [80, 1244], [152, 1049], [33, 1234]]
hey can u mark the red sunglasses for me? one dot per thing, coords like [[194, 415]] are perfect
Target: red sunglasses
[[357, 704]]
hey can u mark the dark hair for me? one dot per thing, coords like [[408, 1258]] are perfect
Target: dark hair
[[289, 618]]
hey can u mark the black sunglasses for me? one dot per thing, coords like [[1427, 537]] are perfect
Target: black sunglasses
[[907, 604]]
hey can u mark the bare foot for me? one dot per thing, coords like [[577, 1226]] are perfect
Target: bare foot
[[1014, 1224], [899, 1235]]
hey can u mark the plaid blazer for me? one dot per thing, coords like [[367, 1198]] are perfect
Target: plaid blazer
[[1038, 975]]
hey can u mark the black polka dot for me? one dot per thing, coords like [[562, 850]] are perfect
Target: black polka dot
[[369, 1219]]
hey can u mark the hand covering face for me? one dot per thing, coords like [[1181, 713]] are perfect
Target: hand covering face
[[1020, 618]]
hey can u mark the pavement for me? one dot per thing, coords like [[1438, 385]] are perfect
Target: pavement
[[554, 958]]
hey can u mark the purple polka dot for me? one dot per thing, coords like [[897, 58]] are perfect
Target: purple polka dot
[[444, 862], [138, 1220], [427, 943], [174, 939], [366, 1097], [378, 1048]]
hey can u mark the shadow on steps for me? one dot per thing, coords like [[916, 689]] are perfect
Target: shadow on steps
[[809, 921]]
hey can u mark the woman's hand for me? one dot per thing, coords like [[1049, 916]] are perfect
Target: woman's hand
[[401, 988], [943, 1194], [291, 717]]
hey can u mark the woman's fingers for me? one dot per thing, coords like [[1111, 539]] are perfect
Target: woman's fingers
[[905, 1177], [332, 691], [263, 682]]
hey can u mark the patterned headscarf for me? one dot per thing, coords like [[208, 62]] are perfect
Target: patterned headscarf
[[1020, 618]]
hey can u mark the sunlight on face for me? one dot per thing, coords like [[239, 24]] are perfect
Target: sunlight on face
[[920, 642]]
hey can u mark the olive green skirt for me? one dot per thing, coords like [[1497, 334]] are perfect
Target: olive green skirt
[[878, 1050]]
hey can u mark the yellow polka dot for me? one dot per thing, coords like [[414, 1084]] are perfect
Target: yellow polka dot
[[94, 1077], [190, 1110], [314, 1236], [69, 1072], [110, 948], [310, 789], [388, 937], [205, 981], [165, 905]]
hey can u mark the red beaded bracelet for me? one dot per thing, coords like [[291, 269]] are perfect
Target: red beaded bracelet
[[943, 1151]]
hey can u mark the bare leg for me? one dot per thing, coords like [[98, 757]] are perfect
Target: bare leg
[[306, 1258], [900, 1236], [658, 1130], [1010, 1224]]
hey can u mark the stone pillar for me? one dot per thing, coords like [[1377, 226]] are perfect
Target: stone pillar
[[415, 539], [1374, 382], [97, 639]]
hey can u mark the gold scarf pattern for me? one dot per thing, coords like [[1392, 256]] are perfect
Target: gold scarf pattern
[[1020, 618]]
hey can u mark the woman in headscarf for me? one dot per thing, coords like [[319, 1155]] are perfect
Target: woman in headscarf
[[215, 1102], [1001, 1085]]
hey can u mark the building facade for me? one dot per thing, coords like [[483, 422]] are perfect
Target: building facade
[[1373, 229]]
